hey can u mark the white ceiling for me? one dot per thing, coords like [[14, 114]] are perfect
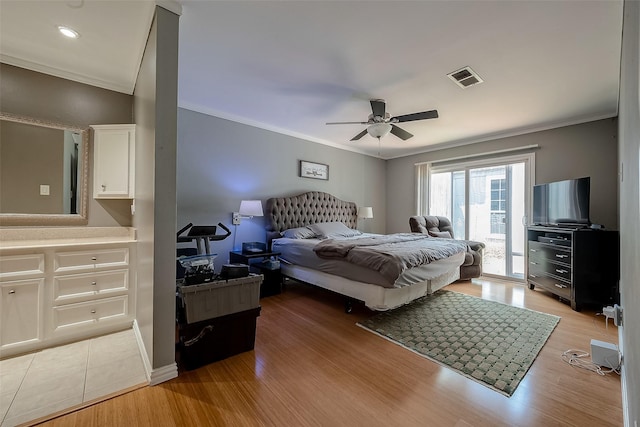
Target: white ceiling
[[292, 66]]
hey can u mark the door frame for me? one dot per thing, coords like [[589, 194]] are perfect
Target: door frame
[[424, 187]]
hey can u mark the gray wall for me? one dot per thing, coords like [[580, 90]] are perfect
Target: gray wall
[[588, 149], [155, 108], [40, 96], [629, 131], [221, 163]]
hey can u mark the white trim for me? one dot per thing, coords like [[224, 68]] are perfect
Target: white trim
[[45, 69], [485, 154], [249, 122], [528, 158], [143, 351], [626, 412], [504, 134], [154, 376], [163, 374], [420, 150]]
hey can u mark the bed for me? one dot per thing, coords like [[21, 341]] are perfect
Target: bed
[[289, 216]]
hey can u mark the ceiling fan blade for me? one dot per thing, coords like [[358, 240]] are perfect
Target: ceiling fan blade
[[432, 114], [378, 107], [360, 135], [347, 123], [400, 133]]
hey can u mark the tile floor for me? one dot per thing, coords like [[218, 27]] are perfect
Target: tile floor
[[54, 379]]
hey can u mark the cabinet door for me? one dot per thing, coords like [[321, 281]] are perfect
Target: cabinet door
[[113, 161], [21, 311]]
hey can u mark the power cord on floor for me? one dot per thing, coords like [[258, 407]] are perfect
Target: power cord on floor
[[578, 359]]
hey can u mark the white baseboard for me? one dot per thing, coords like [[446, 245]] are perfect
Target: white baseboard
[[163, 374], [154, 376], [143, 351], [626, 413]]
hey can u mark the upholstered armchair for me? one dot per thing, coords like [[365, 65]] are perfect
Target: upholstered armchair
[[440, 226]]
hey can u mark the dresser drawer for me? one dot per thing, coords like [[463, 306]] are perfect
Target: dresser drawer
[[558, 255], [551, 284], [539, 251], [21, 265], [86, 260], [88, 313], [560, 271], [83, 285]]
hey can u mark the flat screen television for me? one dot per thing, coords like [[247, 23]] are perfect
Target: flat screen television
[[562, 203]]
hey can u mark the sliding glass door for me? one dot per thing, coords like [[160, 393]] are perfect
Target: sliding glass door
[[487, 201]]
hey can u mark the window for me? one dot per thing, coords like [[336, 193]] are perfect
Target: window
[[487, 200], [498, 205]]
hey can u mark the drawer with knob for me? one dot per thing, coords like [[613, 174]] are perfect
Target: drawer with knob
[[540, 251], [92, 285], [90, 259], [90, 312]]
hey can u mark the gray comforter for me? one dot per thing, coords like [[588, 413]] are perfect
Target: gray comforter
[[390, 254]]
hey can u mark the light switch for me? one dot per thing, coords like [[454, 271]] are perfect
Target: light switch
[[44, 190]]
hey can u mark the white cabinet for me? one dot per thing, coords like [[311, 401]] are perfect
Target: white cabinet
[[114, 161], [91, 289], [22, 277], [58, 293], [21, 313]]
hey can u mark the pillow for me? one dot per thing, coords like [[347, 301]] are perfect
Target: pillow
[[327, 230], [444, 234], [298, 233]]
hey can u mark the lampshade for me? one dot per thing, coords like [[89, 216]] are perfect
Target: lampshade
[[251, 208], [365, 212], [378, 130]]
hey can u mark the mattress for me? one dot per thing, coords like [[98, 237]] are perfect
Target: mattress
[[299, 252]]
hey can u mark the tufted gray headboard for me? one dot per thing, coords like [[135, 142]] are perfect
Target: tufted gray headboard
[[307, 208]]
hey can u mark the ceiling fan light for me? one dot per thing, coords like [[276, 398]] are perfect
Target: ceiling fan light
[[379, 130], [68, 32]]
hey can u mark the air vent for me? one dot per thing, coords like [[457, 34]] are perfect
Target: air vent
[[465, 77]]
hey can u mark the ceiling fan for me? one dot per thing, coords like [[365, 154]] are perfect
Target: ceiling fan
[[381, 123]]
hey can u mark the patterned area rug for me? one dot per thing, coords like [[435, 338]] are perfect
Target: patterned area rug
[[487, 341]]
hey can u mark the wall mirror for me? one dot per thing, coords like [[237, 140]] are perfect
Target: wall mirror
[[43, 172]]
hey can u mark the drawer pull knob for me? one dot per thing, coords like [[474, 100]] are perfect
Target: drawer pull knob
[[561, 271], [12, 291], [94, 312], [534, 263], [94, 258], [533, 250], [561, 256], [560, 286], [94, 283], [533, 275]]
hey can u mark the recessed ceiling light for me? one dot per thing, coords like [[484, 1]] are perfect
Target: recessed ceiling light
[[68, 32]]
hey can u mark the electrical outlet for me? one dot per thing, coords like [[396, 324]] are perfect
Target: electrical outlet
[[617, 318], [235, 220]]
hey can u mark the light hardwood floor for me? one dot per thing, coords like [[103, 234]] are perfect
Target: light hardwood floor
[[312, 366]]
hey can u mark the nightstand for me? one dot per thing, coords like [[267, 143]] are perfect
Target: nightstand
[[272, 284]]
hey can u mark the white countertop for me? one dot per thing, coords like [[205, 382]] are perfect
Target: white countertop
[[38, 237]]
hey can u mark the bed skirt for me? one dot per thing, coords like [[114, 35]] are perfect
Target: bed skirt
[[374, 297]]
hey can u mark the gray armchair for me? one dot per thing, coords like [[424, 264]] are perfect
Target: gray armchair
[[440, 226]]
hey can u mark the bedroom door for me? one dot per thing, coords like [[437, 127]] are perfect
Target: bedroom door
[[487, 201]]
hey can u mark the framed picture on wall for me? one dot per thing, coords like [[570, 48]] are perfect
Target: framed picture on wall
[[314, 170]]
